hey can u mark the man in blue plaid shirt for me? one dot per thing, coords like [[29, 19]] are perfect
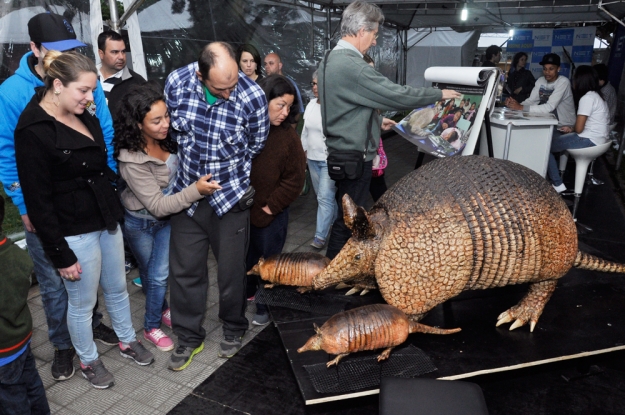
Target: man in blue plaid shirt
[[219, 118]]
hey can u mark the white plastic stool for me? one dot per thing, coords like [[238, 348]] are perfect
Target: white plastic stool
[[583, 157]]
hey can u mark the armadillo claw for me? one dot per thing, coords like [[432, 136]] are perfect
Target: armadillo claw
[[518, 323], [365, 291], [504, 318], [336, 360], [352, 291], [269, 285], [385, 354], [340, 286], [303, 290]]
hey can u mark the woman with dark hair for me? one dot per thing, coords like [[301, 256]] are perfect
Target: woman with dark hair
[[248, 59], [148, 163], [62, 166], [520, 80], [278, 176], [591, 125]]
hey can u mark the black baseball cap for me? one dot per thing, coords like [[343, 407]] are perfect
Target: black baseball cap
[[54, 32], [550, 59]]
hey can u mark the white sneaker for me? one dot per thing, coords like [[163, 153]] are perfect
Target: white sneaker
[[560, 188]]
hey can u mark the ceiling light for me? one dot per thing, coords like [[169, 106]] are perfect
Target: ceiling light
[[465, 13]]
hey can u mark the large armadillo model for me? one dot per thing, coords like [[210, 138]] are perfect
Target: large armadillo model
[[296, 268], [364, 328], [462, 223]]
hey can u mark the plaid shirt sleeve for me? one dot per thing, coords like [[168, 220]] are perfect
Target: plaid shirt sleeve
[[219, 139]]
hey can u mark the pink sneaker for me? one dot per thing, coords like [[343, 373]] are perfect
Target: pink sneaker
[[160, 339], [166, 318]]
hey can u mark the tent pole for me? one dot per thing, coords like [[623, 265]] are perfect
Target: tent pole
[[114, 16], [130, 10], [405, 60], [616, 19], [312, 30], [328, 28]]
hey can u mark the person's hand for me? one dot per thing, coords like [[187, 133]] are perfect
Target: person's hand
[[450, 93], [206, 186], [267, 210], [28, 224], [387, 124], [445, 126], [516, 91], [71, 273], [565, 129], [513, 104]]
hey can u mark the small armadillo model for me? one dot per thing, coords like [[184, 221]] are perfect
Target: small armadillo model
[[462, 223], [364, 328], [296, 268]]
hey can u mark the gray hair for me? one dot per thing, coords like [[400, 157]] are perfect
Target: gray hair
[[314, 75], [360, 15]]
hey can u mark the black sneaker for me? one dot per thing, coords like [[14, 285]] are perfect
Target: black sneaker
[[63, 363], [97, 374], [230, 346], [137, 352], [182, 356], [105, 335], [261, 319]]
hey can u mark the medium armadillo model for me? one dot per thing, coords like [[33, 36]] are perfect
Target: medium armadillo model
[[462, 223]]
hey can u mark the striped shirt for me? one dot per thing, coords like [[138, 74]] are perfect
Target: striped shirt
[[220, 139]]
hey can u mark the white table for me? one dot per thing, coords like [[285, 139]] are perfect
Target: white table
[[522, 137]]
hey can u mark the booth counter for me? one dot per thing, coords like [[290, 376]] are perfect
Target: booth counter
[[522, 137]]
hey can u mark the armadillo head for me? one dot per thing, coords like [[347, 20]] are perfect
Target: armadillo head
[[357, 258], [314, 343], [256, 268]]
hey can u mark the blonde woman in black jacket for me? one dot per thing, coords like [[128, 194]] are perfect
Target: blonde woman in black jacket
[[61, 162]]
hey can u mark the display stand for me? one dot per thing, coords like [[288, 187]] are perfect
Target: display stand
[[522, 137], [584, 317], [478, 86]]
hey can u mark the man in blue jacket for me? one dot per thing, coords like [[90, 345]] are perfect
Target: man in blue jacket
[[47, 32]]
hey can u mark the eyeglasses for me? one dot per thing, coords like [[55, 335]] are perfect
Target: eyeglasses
[[313, 83]]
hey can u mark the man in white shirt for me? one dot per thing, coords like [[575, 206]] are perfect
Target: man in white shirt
[[552, 93]]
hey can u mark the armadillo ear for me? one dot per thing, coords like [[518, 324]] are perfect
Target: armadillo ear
[[261, 261], [356, 219], [349, 211], [317, 329]]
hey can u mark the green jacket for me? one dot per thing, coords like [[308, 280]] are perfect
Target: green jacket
[[16, 323], [354, 92]]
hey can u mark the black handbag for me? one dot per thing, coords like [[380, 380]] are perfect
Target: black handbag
[[344, 164]]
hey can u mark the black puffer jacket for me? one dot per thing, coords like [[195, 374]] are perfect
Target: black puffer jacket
[[65, 180]]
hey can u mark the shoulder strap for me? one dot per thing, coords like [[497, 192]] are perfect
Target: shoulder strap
[[323, 99]]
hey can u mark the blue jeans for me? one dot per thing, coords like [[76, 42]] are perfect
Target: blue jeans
[[559, 143], [53, 294], [325, 189], [149, 241], [101, 256], [21, 388]]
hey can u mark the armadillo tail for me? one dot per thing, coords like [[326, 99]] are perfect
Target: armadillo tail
[[593, 263], [422, 328]]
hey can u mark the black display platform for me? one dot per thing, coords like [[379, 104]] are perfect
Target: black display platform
[[583, 317]]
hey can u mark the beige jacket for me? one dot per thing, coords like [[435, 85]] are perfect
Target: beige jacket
[[146, 177]]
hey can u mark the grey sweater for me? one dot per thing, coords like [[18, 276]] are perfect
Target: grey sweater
[[355, 91], [146, 177]]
